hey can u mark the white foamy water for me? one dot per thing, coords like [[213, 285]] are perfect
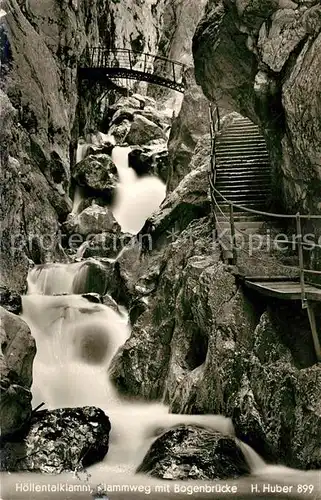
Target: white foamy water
[[81, 150], [89, 275], [77, 199], [136, 198], [76, 341]]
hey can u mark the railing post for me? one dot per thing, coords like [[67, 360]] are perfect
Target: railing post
[[145, 63], [315, 337], [130, 59], [218, 118], [301, 260], [232, 224], [173, 67]]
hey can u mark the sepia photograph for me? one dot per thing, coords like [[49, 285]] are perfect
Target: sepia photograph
[[160, 262]]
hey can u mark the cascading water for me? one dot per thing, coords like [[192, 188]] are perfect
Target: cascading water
[[76, 341], [77, 199], [136, 198]]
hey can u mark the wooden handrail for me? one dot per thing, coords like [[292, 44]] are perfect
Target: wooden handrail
[[214, 128], [301, 260]]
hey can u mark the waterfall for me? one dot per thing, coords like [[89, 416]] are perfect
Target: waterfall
[[76, 341], [86, 276], [81, 150], [136, 198], [254, 461], [77, 199]]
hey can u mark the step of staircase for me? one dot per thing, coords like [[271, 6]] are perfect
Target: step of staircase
[[238, 139], [228, 147], [249, 227], [231, 194], [243, 176], [240, 169], [240, 218], [241, 156], [241, 181]]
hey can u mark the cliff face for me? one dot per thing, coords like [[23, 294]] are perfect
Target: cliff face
[[207, 347], [263, 60], [42, 114]]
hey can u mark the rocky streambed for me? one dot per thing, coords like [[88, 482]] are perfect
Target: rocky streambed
[[150, 356]]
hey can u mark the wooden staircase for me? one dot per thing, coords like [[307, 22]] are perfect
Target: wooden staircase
[[243, 173], [240, 181]]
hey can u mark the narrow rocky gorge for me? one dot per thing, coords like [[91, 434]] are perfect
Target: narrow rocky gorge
[[111, 272]]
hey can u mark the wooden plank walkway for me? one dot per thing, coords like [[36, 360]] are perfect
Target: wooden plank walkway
[[287, 290]]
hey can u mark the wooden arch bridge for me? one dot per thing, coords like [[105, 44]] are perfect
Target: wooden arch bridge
[[240, 186], [107, 65]]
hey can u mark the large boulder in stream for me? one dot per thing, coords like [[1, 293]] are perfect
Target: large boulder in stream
[[63, 440], [18, 349], [191, 452], [93, 220], [98, 174], [150, 160], [143, 130]]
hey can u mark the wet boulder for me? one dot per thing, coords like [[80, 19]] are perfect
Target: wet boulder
[[63, 440], [143, 130], [18, 349], [150, 159], [93, 220], [124, 113], [191, 452], [144, 100], [120, 130], [105, 148], [98, 174], [154, 115], [110, 302]]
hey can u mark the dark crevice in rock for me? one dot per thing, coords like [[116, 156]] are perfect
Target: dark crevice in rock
[[198, 347]]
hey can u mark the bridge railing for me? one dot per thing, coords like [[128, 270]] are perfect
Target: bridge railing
[[298, 218], [100, 57]]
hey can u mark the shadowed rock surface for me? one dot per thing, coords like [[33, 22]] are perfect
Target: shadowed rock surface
[[93, 220], [64, 440], [18, 349], [143, 130], [263, 60], [190, 452], [191, 124], [150, 160], [98, 174]]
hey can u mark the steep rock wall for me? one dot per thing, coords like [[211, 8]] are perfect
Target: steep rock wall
[[206, 346], [43, 110], [263, 60]]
